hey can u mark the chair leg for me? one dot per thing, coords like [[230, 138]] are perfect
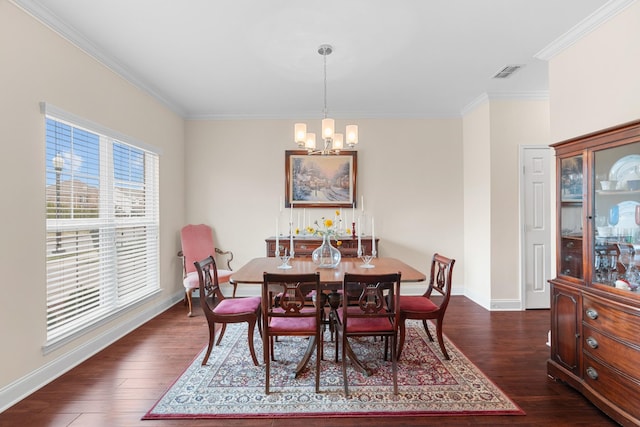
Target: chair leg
[[252, 325], [212, 337], [402, 328], [394, 363], [188, 296], [344, 362], [426, 329], [267, 365], [441, 339], [319, 344], [222, 329]]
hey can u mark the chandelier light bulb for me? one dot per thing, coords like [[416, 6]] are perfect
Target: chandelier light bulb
[[300, 133], [328, 127], [352, 135], [310, 143]]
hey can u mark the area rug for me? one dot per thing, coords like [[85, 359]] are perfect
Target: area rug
[[230, 386]]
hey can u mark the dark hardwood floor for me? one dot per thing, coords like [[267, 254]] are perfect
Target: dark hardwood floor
[[117, 386]]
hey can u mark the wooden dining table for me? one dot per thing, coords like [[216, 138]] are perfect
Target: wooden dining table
[[331, 279]]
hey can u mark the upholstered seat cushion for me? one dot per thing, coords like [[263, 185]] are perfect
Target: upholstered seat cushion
[[292, 325], [237, 305], [416, 303], [192, 281], [365, 324]]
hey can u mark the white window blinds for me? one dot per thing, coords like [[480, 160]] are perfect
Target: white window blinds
[[102, 225]]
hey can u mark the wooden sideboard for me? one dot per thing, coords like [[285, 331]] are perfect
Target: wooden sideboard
[[304, 245]]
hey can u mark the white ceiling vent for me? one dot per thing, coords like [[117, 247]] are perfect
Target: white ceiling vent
[[507, 71]]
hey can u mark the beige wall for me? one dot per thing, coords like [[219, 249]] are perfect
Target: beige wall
[[477, 204], [37, 65], [514, 123], [595, 83], [409, 172]]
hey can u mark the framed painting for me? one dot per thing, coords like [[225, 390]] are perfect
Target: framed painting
[[313, 181]]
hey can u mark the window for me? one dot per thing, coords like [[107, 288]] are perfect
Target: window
[[102, 224]]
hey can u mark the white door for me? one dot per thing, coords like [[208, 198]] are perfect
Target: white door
[[536, 218]]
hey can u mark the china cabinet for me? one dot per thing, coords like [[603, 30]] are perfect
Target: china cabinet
[[595, 301]]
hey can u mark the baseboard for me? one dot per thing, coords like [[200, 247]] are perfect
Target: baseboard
[[23, 387]]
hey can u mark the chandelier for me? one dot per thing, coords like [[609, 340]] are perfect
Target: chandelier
[[332, 142]]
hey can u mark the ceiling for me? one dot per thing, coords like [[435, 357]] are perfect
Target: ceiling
[[259, 59]]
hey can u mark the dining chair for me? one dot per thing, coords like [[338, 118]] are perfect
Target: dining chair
[[369, 309], [424, 307], [286, 313], [218, 309], [197, 244]]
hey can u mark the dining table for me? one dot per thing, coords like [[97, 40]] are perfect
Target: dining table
[[252, 273]]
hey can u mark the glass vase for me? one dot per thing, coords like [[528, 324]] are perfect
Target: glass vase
[[326, 256]]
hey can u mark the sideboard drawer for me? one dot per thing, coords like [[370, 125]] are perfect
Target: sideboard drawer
[[612, 318], [621, 390], [620, 356]]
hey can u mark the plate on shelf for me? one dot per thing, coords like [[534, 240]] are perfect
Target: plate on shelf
[[626, 168]]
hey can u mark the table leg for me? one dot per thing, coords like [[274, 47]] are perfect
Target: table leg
[[307, 355]]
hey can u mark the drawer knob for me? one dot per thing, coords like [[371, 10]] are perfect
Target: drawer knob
[[592, 314], [592, 342], [303, 246], [570, 245], [593, 374]]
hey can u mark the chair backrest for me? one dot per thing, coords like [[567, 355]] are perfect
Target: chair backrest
[[440, 278], [210, 293], [286, 295], [197, 244], [376, 295]]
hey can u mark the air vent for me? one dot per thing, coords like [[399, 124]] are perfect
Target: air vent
[[507, 71]]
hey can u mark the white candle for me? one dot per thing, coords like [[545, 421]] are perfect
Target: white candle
[[277, 237], [298, 224], [353, 213], [291, 245], [291, 219], [373, 238], [304, 218], [359, 239], [362, 203]]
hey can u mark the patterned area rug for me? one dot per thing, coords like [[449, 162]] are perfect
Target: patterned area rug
[[230, 386]]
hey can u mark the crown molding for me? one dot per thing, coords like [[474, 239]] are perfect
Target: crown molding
[[51, 20], [586, 26], [488, 96]]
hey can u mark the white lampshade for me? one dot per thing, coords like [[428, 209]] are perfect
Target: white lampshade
[[310, 142], [300, 133], [352, 135], [328, 127], [338, 141]]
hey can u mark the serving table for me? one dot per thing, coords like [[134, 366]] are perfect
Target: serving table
[[304, 245], [330, 279]]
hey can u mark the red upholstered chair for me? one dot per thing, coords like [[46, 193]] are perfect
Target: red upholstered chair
[[197, 244], [286, 313], [371, 310], [219, 309], [423, 307]]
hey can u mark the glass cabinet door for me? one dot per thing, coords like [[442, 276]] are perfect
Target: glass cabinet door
[[571, 190], [616, 217]]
